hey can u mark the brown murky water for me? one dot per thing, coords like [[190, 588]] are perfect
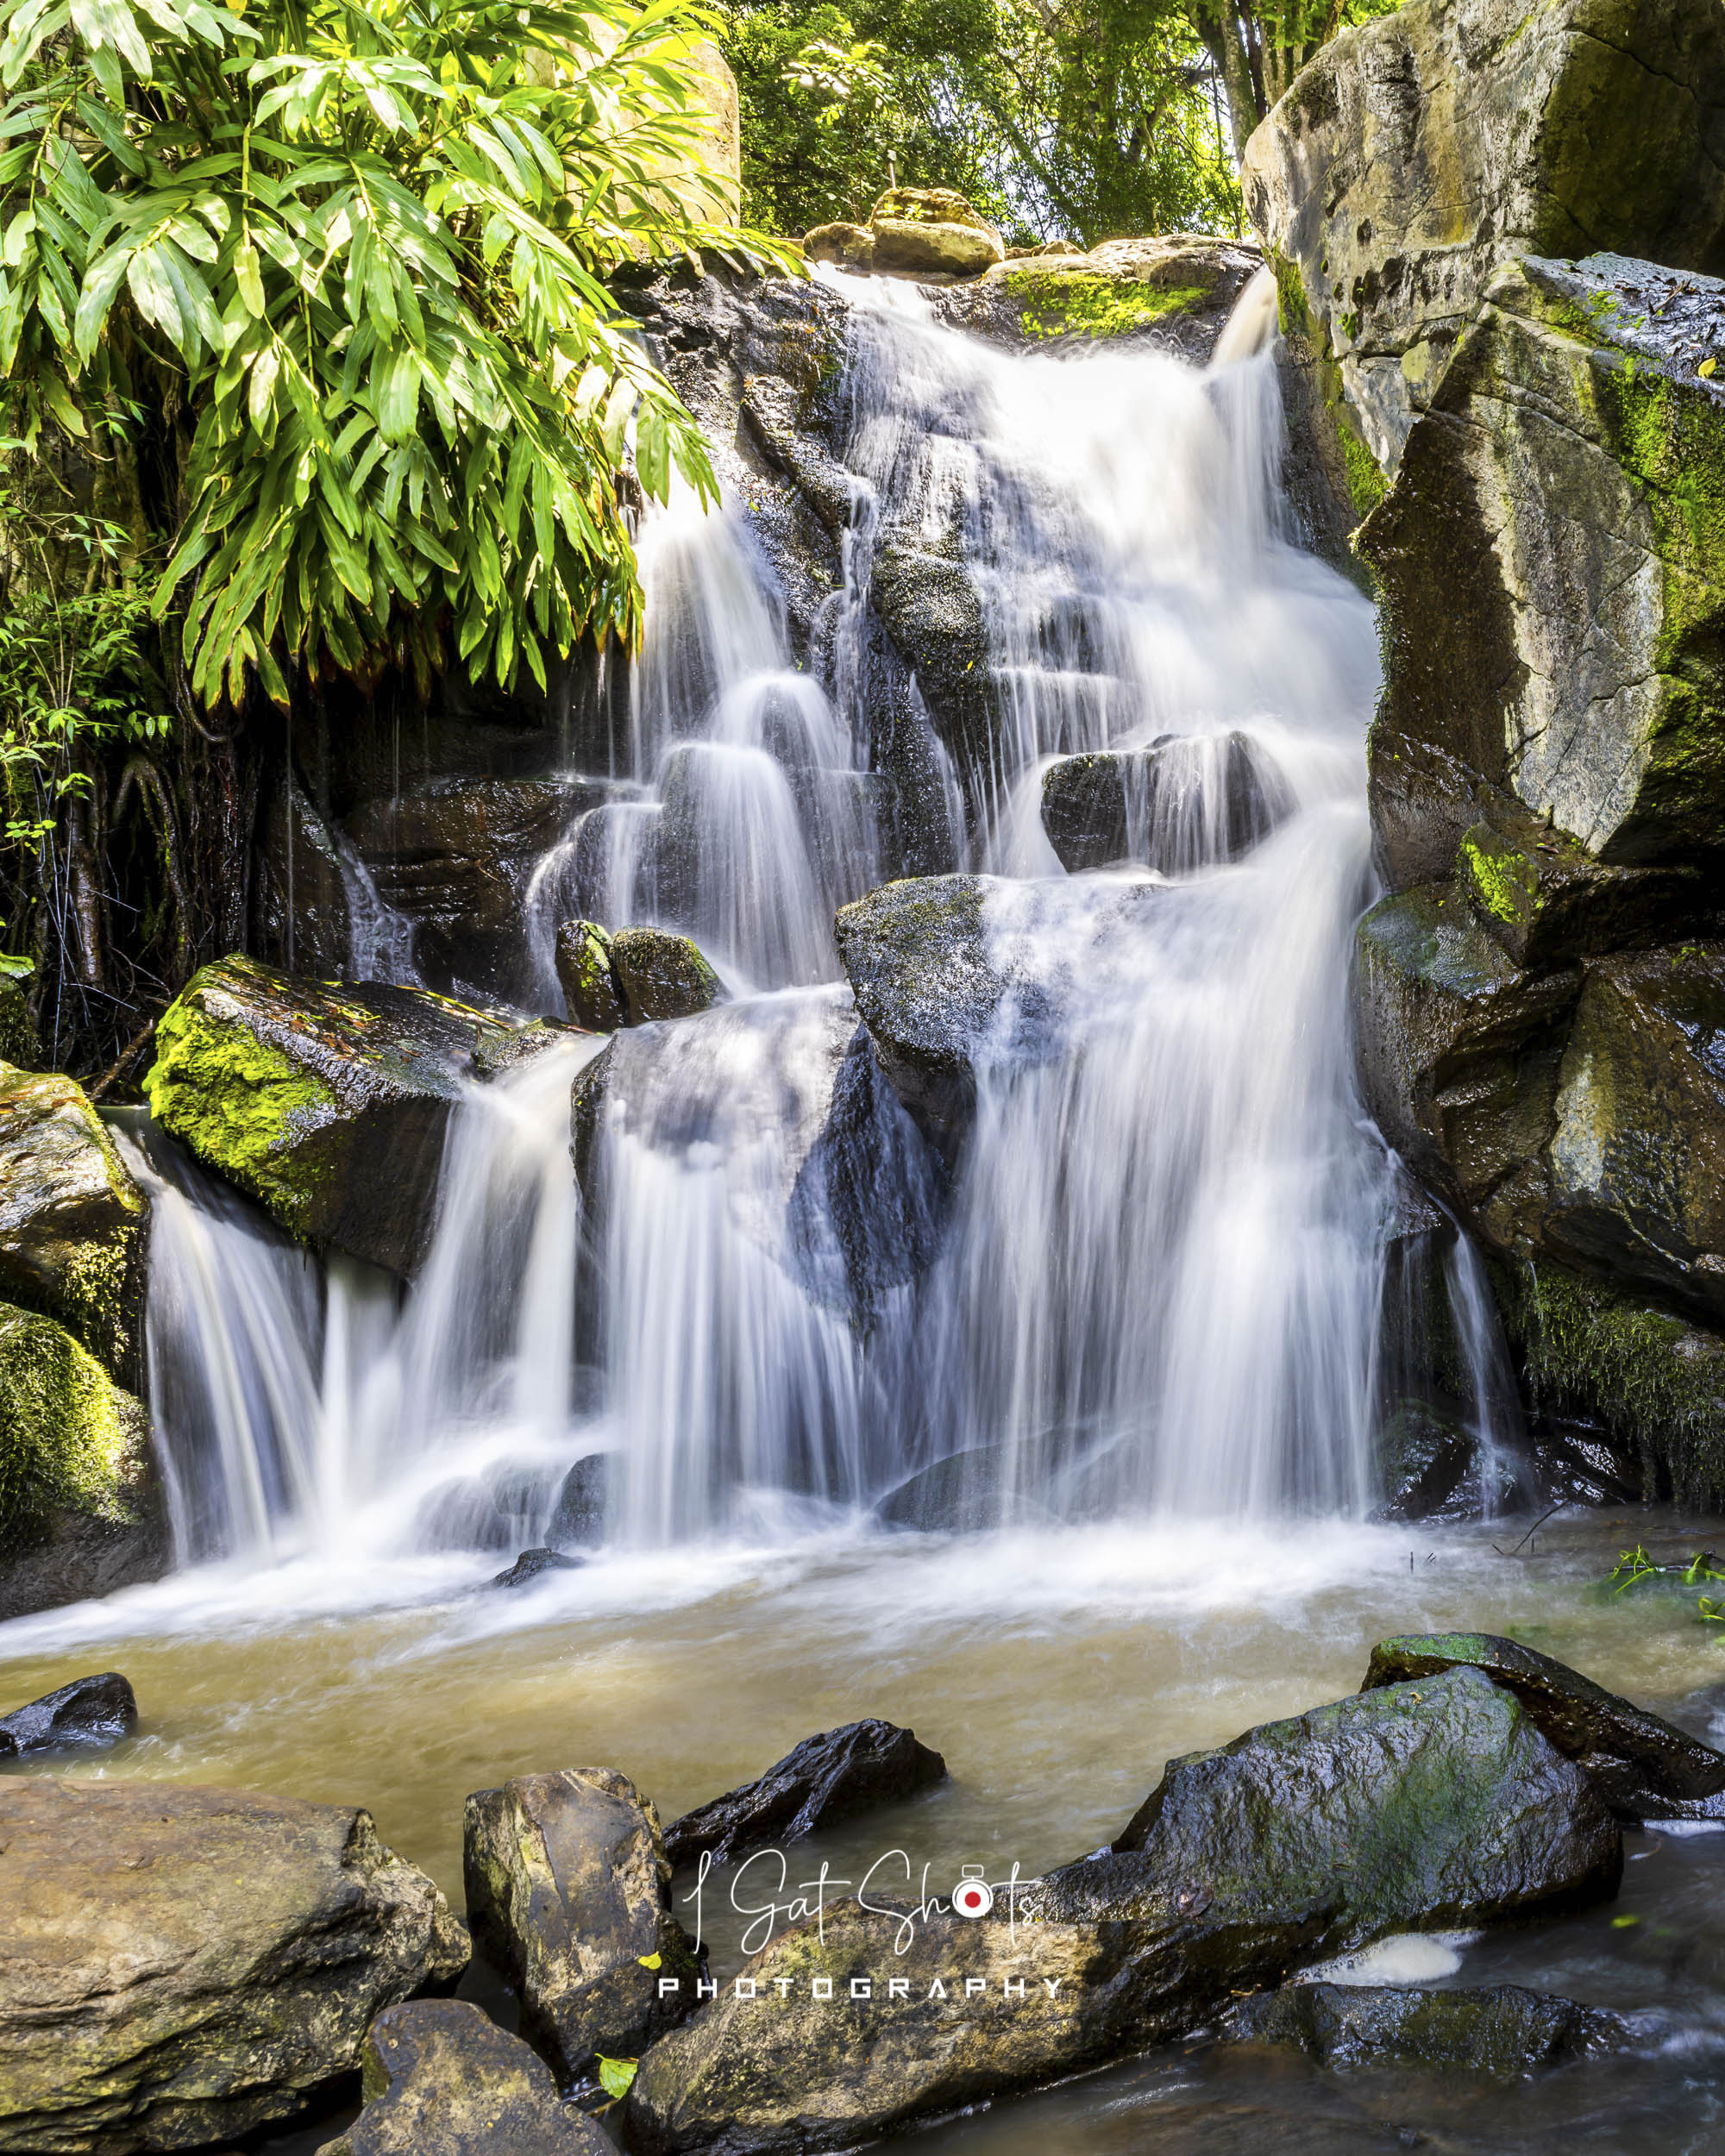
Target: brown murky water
[[1056, 1673]]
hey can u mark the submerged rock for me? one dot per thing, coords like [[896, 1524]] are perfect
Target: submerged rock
[[963, 1493], [825, 1779], [1183, 802], [568, 1893], [326, 1103], [1641, 1766], [1501, 2030], [186, 1965], [583, 1497], [661, 976], [592, 993], [80, 1502], [533, 1564], [86, 1715], [439, 2079], [72, 1222]]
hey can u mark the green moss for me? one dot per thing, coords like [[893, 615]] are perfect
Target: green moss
[[1086, 303], [1657, 1383], [67, 1434], [1366, 484], [1292, 309], [1498, 877], [238, 1102]]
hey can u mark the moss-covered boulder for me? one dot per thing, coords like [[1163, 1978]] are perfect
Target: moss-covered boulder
[[326, 1103], [1500, 2030], [568, 1893], [186, 1965], [1174, 292], [80, 1506], [661, 975], [592, 994], [1419, 151], [73, 1221], [1642, 1767], [440, 2079]]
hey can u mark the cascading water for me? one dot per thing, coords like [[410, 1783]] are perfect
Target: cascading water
[[1155, 1283]]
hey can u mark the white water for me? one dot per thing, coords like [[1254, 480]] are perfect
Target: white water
[[1153, 1286]]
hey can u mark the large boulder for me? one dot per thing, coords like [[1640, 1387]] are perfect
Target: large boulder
[[1174, 292], [1644, 1768], [661, 975], [72, 1222], [592, 993], [185, 1965], [824, 1779], [1500, 2030], [568, 1893], [1182, 802], [89, 1715], [1418, 151], [327, 1103], [932, 232], [439, 2079], [1426, 1805], [80, 1504]]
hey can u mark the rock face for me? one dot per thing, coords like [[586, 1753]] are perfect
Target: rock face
[[326, 1104], [87, 1715], [185, 1965], [825, 1779], [72, 1222], [1426, 1805], [439, 2079], [80, 1506], [1173, 293], [1500, 2030], [1642, 1767], [1418, 151], [568, 1892]]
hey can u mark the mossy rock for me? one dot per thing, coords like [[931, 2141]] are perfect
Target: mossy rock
[[73, 1221], [661, 975], [592, 993], [1501, 2031], [328, 1104], [1174, 292], [18, 1043]]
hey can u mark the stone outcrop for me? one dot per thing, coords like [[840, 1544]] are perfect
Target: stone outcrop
[[73, 1221], [931, 234], [1643, 1768], [1500, 2030], [824, 1779], [326, 1103], [88, 1714], [1172, 293], [80, 1504], [186, 1965], [1419, 151], [568, 1893], [439, 2079]]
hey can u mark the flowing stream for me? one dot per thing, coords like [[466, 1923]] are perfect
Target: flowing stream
[[1129, 1338]]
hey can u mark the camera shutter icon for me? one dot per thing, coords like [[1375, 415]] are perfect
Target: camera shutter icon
[[973, 1895]]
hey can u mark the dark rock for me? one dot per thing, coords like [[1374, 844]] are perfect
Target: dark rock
[[328, 1104], [661, 976], [934, 614], [462, 1515], [73, 1221], [1423, 1456], [963, 1493], [18, 1041], [583, 1502], [590, 991], [186, 1966], [439, 2079], [1174, 806], [86, 1715], [533, 1564], [568, 1893], [1581, 1463], [305, 915], [1500, 2029], [825, 1779], [1642, 1767]]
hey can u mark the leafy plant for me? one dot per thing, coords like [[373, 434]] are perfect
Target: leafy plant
[[616, 2076], [1635, 1568], [354, 255]]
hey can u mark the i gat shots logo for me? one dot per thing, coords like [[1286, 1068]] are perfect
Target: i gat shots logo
[[973, 1895]]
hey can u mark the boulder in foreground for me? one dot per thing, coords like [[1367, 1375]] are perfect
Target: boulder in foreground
[[825, 1779], [186, 1965], [86, 1715], [568, 1893], [1642, 1767], [439, 2079], [1501, 2030]]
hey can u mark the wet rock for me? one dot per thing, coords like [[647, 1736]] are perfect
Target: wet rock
[[1585, 124], [86, 1715], [18, 1043], [931, 232], [583, 1498], [1423, 1459], [1174, 292], [661, 976], [568, 1893], [439, 2079], [1569, 676], [592, 994], [1642, 1767], [1182, 802], [533, 1564], [186, 1965], [305, 915], [825, 1779], [326, 1103], [80, 1503], [462, 1515], [961, 1495], [72, 1222], [1500, 2029]]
